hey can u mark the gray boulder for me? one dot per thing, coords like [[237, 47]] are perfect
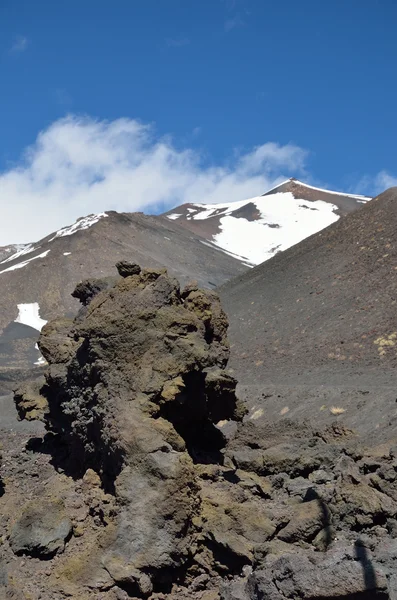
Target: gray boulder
[[41, 530]]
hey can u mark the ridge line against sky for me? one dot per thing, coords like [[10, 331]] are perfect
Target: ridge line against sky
[[80, 165]]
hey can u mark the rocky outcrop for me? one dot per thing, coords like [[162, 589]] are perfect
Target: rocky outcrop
[[134, 389], [163, 490]]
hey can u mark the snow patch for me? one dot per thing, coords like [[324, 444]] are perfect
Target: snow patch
[[24, 263], [84, 223], [28, 314], [66, 253], [22, 250], [174, 216], [41, 361]]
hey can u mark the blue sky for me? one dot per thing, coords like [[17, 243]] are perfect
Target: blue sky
[[213, 78]]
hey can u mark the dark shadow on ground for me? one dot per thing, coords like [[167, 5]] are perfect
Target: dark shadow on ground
[[312, 494], [369, 573]]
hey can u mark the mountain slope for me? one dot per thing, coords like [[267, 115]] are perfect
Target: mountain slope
[[317, 325], [326, 300], [37, 281], [258, 228]]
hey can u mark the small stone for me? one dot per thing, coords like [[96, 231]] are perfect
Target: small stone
[[145, 584], [91, 478], [126, 269], [320, 476], [78, 531]]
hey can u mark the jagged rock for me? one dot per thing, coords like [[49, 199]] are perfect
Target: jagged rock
[[254, 483], [3, 574], [307, 519], [191, 286], [41, 530], [361, 504], [324, 538], [55, 344], [135, 386], [270, 451], [86, 290], [126, 269], [234, 522], [30, 403]]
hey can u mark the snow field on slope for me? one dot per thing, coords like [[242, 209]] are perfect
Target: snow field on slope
[[25, 262], [24, 249], [29, 314], [284, 222]]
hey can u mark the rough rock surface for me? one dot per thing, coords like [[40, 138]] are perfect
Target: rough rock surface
[[41, 530], [167, 490]]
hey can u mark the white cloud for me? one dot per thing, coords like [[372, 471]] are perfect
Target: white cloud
[[19, 44], [374, 185], [80, 166], [384, 180]]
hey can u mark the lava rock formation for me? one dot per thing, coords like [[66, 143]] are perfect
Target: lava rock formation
[[161, 488]]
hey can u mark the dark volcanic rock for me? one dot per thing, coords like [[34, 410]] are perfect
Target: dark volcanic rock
[[126, 269], [134, 387], [88, 289], [41, 530], [342, 573]]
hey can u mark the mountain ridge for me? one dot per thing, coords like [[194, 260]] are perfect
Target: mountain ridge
[[47, 272]]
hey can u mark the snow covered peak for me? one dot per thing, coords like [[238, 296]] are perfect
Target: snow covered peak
[[292, 182], [256, 229], [83, 223]]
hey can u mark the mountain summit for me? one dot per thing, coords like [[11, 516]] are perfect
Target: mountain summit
[[256, 229]]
